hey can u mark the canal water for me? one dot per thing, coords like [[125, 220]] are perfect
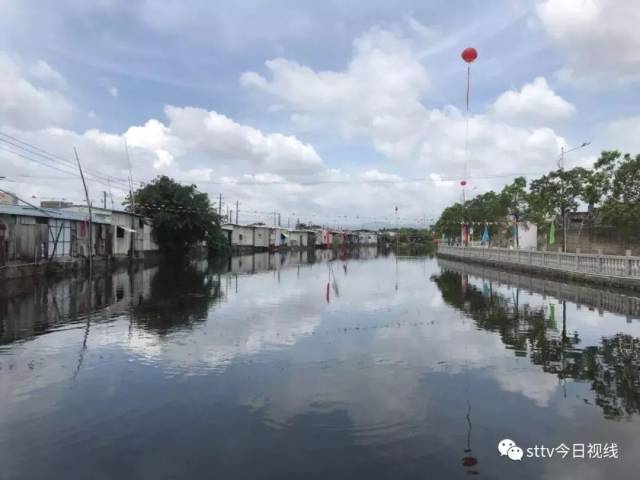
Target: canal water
[[316, 366]]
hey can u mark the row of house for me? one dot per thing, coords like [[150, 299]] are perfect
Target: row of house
[[30, 234], [265, 237]]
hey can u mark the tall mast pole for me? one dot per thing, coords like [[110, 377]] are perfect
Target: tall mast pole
[[86, 194]]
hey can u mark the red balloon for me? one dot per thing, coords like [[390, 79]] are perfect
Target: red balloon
[[469, 54], [463, 183]]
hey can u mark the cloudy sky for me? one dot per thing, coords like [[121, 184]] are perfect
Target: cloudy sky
[[334, 112]]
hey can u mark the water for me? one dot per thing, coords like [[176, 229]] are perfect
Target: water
[[295, 367]]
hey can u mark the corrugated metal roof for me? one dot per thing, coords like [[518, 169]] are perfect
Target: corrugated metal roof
[[60, 214]]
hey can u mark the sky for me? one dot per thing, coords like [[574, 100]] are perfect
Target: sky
[[329, 112]]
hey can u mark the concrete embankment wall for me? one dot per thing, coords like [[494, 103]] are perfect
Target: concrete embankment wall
[[607, 270], [596, 297]]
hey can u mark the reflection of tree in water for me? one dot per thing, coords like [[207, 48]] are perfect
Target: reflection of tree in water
[[614, 370], [180, 295], [613, 367]]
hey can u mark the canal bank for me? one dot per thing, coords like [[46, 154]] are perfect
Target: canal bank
[[608, 270]]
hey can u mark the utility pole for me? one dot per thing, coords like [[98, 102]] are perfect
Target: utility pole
[[274, 219], [110, 194], [86, 194], [237, 208], [220, 205], [104, 199], [562, 187], [279, 220], [564, 210], [396, 235], [132, 234]]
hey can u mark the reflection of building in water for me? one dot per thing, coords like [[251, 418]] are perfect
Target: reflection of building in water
[[610, 366], [35, 308], [28, 309], [265, 261]]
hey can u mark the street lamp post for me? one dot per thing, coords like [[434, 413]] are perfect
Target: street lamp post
[[564, 208]]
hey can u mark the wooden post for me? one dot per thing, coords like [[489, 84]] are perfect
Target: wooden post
[[55, 243], [86, 194]]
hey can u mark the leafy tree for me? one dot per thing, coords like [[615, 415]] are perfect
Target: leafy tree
[[514, 200], [595, 185], [414, 235], [449, 222], [556, 193], [611, 188], [181, 215], [487, 207], [622, 207]]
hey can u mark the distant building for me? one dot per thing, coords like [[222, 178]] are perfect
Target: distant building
[[302, 239], [367, 237], [32, 234], [247, 237], [327, 238], [128, 230], [278, 237], [8, 199]]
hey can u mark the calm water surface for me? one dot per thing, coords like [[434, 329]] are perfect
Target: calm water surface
[[303, 366]]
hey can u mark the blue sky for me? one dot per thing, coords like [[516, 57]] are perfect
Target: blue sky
[[336, 94]]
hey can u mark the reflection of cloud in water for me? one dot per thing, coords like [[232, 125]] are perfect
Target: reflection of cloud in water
[[213, 346], [385, 378], [388, 391]]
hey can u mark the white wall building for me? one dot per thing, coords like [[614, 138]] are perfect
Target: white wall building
[[278, 237], [366, 237], [248, 236], [124, 226]]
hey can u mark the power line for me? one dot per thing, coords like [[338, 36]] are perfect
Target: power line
[[27, 151], [58, 166], [34, 149]]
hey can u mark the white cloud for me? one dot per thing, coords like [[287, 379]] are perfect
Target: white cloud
[[26, 106], [600, 37], [192, 145], [384, 78], [113, 91], [378, 176], [224, 139], [536, 102], [379, 96], [43, 71]]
